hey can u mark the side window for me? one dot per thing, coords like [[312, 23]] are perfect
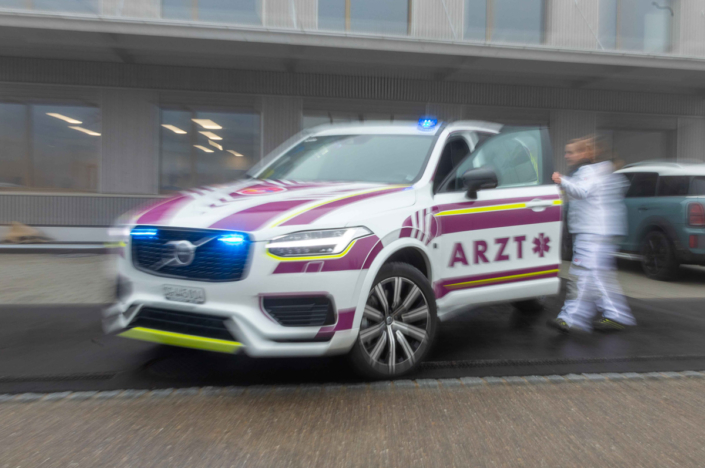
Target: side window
[[643, 185], [673, 186], [698, 186], [455, 150], [516, 157]]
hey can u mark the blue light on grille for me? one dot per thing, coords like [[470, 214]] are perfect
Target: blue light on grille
[[232, 239], [427, 123], [144, 232]]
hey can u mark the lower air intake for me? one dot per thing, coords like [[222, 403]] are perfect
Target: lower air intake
[[187, 323], [300, 311]]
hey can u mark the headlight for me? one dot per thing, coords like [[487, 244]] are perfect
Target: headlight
[[307, 243]]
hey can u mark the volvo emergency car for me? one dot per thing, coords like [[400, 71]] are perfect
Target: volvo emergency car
[[347, 239]]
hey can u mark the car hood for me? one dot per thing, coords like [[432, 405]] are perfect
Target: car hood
[[267, 208]]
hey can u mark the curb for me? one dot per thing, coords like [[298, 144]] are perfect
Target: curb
[[399, 385]]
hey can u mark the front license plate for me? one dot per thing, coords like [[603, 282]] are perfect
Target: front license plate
[[184, 294]]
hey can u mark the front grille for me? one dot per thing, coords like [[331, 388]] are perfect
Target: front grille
[[213, 260], [300, 311], [186, 323]]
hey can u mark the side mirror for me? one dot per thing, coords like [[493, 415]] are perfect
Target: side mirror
[[478, 179]]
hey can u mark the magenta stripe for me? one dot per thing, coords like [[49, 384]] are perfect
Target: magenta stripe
[[255, 217], [354, 260], [346, 317], [497, 219], [441, 287], [159, 213], [505, 201], [319, 211]]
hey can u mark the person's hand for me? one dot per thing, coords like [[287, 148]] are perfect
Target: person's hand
[[557, 177]]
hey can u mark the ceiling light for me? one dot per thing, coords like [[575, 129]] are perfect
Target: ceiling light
[[174, 129], [203, 148], [215, 144], [64, 118], [207, 123], [211, 135], [234, 153], [86, 131]]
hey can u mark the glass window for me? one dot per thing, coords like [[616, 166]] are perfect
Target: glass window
[[67, 6], [516, 157], [389, 159], [636, 25], [13, 145], [673, 186], [643, 185], [50, 146], [509, 21], [203, 148], [214, 11], [389, 17], [697, 187]]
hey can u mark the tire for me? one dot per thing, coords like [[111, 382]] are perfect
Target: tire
[[406, 325], [531, 306], [658, 257]]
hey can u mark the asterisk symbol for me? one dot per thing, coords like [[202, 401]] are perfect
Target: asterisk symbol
[[541, 244]]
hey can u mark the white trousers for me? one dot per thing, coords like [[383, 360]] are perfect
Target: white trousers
[[593, 284]]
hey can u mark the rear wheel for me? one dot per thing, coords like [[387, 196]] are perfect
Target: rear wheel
[[658, 257], [398, 325]]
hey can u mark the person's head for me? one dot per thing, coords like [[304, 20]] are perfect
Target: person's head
[[579, 150]]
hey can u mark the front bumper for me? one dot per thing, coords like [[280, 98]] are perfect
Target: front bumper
[[239, 305]]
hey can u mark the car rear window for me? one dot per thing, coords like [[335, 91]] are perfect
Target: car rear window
[[697, 187], [673, 186]]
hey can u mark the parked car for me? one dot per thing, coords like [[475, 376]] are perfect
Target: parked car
[[666, 215], [348, 239]]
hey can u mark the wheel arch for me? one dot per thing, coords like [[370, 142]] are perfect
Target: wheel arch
[[657, 224]]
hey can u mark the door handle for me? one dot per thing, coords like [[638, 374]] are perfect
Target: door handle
[[539, 204]]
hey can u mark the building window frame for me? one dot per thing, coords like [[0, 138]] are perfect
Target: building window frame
[[489, 20], [196, 15], [348, 17]]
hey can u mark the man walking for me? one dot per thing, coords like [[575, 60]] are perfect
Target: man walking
[[596, 216]]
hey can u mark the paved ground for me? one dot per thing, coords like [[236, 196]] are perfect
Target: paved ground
[[63, 348], [609, 424]]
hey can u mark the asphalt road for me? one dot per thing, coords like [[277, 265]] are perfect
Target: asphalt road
[[57, 348]]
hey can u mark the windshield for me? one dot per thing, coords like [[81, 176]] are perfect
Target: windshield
[[389, 159]]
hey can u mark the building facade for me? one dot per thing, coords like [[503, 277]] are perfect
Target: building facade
[[108, 104]]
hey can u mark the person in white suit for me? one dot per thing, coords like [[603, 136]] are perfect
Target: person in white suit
[[596, 217]]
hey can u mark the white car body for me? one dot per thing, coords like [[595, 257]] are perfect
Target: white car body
[[501, 247]]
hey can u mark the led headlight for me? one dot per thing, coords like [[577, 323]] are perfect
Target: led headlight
[[307, 243]]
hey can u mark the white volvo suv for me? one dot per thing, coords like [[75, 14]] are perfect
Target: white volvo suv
[[347, 239]]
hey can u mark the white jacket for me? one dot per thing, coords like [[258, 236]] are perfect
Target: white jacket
[[596, 200]]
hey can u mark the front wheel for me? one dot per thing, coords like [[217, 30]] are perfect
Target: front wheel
[[398, 325]]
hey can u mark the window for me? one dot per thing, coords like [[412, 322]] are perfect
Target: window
[[388, 17], [389, 159], [636, 25], [643, 185], [63, 6], [698, 186], [214, 11], [201, 148], [508, 21], [673, 186], [49, 147], [516, 157]]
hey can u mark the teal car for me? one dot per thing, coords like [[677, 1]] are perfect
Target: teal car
[[666, 216]]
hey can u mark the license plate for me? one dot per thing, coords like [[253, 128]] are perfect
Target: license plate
[[184, 294]]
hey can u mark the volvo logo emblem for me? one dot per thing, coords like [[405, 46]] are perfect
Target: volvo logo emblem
[[183, 252]]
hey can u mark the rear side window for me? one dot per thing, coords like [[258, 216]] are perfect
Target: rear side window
[[697, 187], [673, 186], [643, 185]]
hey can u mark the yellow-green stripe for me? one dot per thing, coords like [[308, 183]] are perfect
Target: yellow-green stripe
[[179, 339]]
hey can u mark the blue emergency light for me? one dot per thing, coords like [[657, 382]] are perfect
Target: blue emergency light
[[427, 123], [144, 232], [232, 239]]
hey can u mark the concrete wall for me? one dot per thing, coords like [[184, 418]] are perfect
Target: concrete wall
[[691, 139], [132, 8], [130, 142], [572, 24], [437, 19], [281, 117], [290, 14]]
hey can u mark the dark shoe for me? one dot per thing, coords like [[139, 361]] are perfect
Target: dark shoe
[[559, 324], [606, 325]]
